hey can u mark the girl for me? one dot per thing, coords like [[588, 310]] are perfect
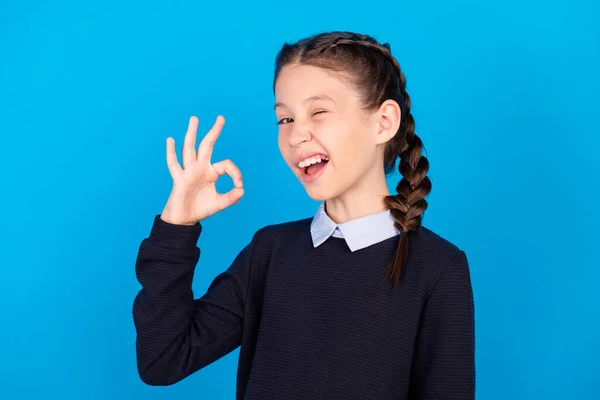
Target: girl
[[357, 302]]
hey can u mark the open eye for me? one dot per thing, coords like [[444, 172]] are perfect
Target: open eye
[[284, 121]]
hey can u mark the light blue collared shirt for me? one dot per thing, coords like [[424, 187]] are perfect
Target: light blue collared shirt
[[358, 233]]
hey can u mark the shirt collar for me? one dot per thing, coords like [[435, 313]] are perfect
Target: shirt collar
[[359, 233]]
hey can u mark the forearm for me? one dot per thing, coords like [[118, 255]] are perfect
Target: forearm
[[163, 308], [177, 334]]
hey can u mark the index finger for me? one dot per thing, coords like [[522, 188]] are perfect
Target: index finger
[[205, 148], [189, 142]]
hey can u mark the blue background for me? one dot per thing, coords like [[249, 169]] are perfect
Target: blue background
[[505, 99]]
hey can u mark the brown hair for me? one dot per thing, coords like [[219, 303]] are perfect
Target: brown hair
[[376, 74]]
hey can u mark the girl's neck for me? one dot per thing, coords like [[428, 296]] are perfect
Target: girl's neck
[[358, 202]]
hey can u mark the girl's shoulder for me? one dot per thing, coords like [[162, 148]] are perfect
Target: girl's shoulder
[[428, 239], [271, 239], [286, 227], [283, 232], [436, 260], [436, 253]]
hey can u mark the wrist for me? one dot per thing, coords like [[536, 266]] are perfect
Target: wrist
[[174, 220]]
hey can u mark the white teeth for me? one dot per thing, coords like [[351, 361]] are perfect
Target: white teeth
[[313, 160]]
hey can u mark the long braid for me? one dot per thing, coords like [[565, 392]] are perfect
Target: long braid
[[409, 204]]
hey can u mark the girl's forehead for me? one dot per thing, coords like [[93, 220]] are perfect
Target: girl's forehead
[[306, 75], [299, 83]]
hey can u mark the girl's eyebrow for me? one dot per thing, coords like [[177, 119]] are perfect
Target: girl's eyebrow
[[312, 98]]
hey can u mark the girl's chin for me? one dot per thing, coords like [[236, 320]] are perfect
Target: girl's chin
[[319, 197], [321, 192]]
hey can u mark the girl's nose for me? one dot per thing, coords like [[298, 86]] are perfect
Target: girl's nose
[[299, 134]]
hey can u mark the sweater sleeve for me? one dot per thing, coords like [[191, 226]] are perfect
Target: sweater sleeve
[[176, 334], [444, 358]]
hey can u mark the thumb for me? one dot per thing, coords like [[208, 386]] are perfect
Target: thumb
[[230, 198]]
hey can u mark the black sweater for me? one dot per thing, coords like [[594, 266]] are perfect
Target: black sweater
[[312, 323]]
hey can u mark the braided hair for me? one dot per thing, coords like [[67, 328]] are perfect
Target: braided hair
[[377, 75]]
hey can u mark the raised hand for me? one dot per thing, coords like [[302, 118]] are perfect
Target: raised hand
[[194, 196]]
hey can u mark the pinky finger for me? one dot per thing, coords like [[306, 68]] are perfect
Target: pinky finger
[[172, 163]]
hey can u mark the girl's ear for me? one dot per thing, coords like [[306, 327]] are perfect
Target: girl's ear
[[388, 121]]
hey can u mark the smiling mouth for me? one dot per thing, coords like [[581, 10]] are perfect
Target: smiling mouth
[[313, 169], [312, 172]]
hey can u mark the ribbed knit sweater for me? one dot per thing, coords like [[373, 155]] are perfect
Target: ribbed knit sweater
[[311, 323]]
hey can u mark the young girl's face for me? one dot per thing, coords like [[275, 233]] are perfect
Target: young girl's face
[[321, 120]]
